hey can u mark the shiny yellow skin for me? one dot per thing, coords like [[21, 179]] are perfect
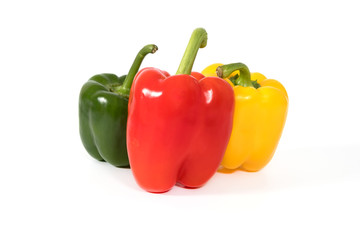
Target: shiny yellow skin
[[259, 119]]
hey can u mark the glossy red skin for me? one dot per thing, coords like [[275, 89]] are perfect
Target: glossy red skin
[[178, 128]]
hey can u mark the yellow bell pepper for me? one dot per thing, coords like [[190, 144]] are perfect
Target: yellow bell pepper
[[260, 113]]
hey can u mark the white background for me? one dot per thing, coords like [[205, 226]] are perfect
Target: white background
[[52, 189]]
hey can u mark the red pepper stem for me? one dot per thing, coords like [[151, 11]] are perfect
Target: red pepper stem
[[198, 40], [244, 79], [124, 89]]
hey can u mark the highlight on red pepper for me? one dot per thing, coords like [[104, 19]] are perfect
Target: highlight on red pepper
[[178, 126]]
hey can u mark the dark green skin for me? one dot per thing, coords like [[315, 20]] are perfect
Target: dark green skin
[[103, 119], [103, 111]]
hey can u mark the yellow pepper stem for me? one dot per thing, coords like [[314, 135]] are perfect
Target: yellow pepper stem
[[244, 79]]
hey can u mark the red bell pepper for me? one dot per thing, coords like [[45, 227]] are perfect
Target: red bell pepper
[[178, 126]]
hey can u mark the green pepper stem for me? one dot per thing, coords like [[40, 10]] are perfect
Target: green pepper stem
[[244, 79], [124, 89], [198, 40]]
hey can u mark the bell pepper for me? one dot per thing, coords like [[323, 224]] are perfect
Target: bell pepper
[[103, 108], [261, 107], [178, 126]]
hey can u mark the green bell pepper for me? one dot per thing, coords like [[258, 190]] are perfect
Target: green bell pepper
[[103, 109]]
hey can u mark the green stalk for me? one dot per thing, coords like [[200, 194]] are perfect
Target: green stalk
[[198, 40], [244, 79], [124, 89]]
